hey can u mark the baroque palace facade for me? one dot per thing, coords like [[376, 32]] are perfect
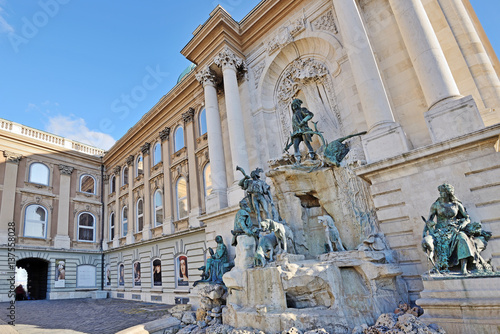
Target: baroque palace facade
[[419, 76]]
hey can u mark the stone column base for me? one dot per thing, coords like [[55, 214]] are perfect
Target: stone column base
[[62, 241], [384, 141], [462, 304], [216, 200], [453, 118]]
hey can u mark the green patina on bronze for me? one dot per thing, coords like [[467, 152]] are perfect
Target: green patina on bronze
[[453, 239], [217, 265]]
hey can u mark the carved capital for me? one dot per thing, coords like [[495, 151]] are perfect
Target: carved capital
[[105, 178], [66, 170], [117, 170], [12, 157], [227, 59], [206, 76], [165, 134], [130, 160], [145, 148], [188, 115]]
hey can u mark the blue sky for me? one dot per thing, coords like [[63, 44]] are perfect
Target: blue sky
[[89, 69]]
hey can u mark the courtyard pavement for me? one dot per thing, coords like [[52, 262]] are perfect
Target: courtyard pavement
[[79, 316]]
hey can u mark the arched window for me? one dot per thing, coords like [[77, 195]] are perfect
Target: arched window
[[140, 215], [111, 226], [124, 221], [86, 227], [207, 180], [125, 176], [182, 207], [35, 221], [157, 154], [158, 205], [87, 184], [39, 173], [139, 166], [112, 184], [179, 139], [203, 122]]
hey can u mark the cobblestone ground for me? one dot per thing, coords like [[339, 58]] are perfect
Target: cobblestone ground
[[77, 316]]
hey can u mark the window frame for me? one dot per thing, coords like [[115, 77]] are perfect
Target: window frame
[[31, 171], [46, 222], [112, 184], [139, 215], [78, 226], [156, 154], [180, 127], [95, 184], [202, 112], [155, 208], [112, 225], [124, 231], [178, 200], [139, 157], [125, 168], [205, 179]]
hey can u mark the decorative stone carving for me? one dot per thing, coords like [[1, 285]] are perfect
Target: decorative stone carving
[[325, 22], [257, 72], [206, 76], [117, 170], [130, 160], [145, 148], [188, 116], [227, 58], [12, 157], [285, 35], [165, 134], [66, 170]]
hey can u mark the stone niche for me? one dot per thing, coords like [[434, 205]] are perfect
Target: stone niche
[[336, 291], [303, 195]]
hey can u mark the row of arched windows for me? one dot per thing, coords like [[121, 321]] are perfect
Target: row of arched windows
[[36, 223], [181, 192], [39, 173]]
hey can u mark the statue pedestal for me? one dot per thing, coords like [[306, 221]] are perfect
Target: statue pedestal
[[336, 291], [462, 304]]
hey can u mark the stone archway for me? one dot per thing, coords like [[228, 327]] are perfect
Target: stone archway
[[37, 270]]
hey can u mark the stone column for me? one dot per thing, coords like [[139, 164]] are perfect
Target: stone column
[[476, 56], [146, 230], [230, 63], [130, 202], [105, 220], [449, 114], [61, 240], [168, 226], [194, 192], [118, 215], [218, 198], [9, 194], [385, 137]]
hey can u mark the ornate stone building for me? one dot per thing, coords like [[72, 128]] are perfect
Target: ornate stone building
[[419, 76]]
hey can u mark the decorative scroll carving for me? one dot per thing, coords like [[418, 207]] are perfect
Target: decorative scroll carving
[[206, 76], [165, 134], [12, 157], [299, 71], [117, 170], [285, 35], [66, 170], [326, 22], [145, 148], [227, 58], [188, 115], [130, 160]]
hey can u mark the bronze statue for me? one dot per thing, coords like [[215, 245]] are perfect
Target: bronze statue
[[336, 151], [217, 265], [243, 224], [301, 130], [452, 239]]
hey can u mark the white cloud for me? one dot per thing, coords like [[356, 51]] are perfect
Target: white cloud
[[76, 129], [4, 25]]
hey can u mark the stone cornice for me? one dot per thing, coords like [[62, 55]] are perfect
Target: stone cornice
[[12, 157], [66, 170]]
